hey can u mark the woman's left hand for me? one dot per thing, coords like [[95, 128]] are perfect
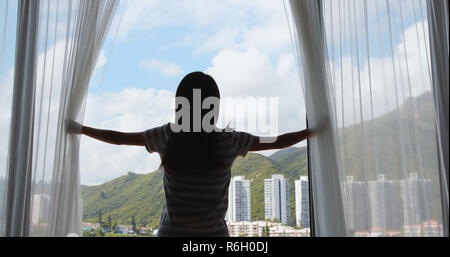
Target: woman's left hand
[[73, 127]]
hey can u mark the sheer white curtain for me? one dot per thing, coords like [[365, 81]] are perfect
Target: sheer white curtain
[[367, 75], [324, 168], [57, 46], [21, 136]]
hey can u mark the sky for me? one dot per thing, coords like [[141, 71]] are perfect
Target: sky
[[245, 45]]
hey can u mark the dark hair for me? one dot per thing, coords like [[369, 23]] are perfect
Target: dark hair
[[198, 150]]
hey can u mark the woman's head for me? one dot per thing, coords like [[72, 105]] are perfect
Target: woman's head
[[197, 103], [194, 143]]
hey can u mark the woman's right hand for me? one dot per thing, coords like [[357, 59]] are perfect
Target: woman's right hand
[[311, 132], [73, 127]]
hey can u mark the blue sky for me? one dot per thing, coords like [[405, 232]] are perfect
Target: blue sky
[[123, 67], [177, 42], [245, 45]]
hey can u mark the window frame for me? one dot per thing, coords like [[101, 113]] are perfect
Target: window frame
[[312, 231]]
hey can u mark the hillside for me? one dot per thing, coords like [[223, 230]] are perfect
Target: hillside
[[282, 153], [132, 194], [388, 129]]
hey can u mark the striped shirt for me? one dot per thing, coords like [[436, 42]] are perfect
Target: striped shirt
[[195, 205]]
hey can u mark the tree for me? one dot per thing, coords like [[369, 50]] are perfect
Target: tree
[[86, 233], [113, 226], [266, 231], [99, 232], [93, 233], [109, 224], [100, 218], [133, 223]]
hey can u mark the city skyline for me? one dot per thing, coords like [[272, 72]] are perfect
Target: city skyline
[[378, 207], [384, 207]]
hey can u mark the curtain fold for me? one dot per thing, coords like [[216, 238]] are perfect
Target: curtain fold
[[439, 43], [57, 47], [21, 137], [324, 168], [91, 25]]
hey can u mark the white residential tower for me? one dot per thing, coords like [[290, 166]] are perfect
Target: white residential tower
[[276, 199], [302, 202], [239, 200]]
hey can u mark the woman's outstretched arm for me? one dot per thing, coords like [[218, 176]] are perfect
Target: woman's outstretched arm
[[107, 136], [282, 141]]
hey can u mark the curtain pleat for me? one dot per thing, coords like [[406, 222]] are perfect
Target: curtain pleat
[[21, 128], [91, 25], [324, 166], [439, 42], [57, 47]]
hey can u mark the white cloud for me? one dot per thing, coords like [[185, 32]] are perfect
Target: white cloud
[[218, 24], [224, 38], [141, 15], [166, 68], [252, 73]]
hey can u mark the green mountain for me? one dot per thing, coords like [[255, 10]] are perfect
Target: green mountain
[[142, 194], [388, 131], [132, 194], [392, 136], [282, 153]]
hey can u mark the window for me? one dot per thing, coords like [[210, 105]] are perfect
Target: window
[[247, 48]]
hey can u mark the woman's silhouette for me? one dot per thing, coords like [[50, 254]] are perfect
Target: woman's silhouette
[[196, 157]]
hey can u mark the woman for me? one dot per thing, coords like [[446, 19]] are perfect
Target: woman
[[196, 158]]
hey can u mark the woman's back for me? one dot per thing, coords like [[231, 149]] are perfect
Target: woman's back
[[196, 199]]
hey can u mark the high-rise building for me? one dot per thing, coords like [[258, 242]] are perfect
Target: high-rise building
[[40, 208], [357, 205], [385, 204], [416, 195], [276, 199], [239, 200], [302, 202]]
